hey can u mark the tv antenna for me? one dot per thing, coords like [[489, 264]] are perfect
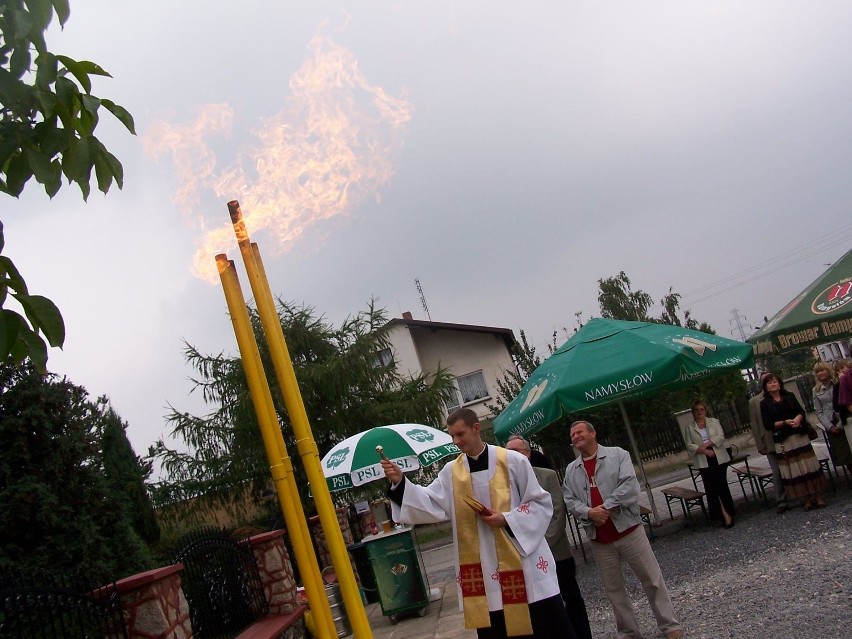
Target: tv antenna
[[422, 298]]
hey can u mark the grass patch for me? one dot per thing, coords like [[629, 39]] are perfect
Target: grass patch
[[435, 533]]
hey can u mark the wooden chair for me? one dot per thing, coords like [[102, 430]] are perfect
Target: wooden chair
[[689, 499]]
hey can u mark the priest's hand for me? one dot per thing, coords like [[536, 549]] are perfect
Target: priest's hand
[[598, 515], [493, 519], [392, 471]]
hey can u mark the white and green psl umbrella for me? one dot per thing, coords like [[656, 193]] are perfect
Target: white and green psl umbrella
[[354, 461]]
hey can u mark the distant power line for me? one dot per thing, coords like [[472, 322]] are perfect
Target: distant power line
[[820, 244]]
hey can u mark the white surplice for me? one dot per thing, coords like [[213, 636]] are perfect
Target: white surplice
[[529, 517]]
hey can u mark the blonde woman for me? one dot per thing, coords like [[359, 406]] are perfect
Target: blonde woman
[[825, 403], [705, 440]]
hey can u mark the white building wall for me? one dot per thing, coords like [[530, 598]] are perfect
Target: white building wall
[[463, 352], [404, 351]]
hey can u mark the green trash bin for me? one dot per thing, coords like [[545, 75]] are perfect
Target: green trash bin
[[361, 559], [399, 573]]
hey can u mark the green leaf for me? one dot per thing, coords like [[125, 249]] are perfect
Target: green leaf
[[16, 282], [66, 93], [63, 10], [39, 164], [103, 172], [88, 120], [91, 103], [52, 186], [17, 174], [75, 160], [45, 317], [51, 140], [20, 23], [9, 142], [47, 101], [36, 349], [20, 62], [47, 67], [121, 113], [14, 92], [115, 166], [42, 13], [10, 326], [77, 71], [93, 68]]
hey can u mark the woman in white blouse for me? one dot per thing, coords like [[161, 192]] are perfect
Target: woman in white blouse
[[705, 440]]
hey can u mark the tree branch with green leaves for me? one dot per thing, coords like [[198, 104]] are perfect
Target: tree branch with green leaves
[[48, 118]]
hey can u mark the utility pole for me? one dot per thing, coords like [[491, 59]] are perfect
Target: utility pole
[[737, 320]]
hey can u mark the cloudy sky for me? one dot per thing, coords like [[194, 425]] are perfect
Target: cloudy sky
[[506, 154]]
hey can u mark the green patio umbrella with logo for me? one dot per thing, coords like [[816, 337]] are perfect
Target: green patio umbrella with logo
[[819, 314], [354, 461], [609, 361]]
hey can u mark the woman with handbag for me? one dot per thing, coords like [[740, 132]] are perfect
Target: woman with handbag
[[705, 440], [825, 406], [784, 417]]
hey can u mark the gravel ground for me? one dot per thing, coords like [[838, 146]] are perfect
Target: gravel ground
[[771, 576]]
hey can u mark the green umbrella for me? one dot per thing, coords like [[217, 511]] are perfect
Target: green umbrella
[[609, 361], [819, 314], [354, 461]]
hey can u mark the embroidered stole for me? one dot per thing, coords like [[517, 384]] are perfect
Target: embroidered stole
[[509, 567]]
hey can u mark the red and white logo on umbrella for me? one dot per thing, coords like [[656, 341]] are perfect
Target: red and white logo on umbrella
[[833, 297]]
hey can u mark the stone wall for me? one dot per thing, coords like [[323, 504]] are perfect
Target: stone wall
[[154, 606], [276, 571], [323, 554]]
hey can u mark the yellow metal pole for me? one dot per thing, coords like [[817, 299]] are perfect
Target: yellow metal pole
[[280, 465], [306, 534], [302, 429]]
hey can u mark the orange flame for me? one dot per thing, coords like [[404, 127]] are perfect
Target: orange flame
[[328, 148], [193, 159]]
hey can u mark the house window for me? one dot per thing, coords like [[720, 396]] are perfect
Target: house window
[[384, 358], [465, 390], [472, 387], [452, 399]]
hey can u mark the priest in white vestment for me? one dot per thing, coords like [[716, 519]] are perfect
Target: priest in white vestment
[[505, 571]]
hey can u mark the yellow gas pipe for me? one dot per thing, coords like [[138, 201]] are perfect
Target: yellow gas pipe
[[280, 465], [301, 427]]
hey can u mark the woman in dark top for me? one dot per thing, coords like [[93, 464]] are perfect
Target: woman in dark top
[[784, 417]]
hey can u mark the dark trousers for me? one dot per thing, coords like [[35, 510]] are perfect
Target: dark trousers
[[549, 621], [715, 479], [566, 573]]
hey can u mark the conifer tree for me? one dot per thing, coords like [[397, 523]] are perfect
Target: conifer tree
[[56, 509], [126, 474], [345, 388]]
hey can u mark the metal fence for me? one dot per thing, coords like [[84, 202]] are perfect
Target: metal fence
[[53, 606], [657, 440], [221, 583]]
